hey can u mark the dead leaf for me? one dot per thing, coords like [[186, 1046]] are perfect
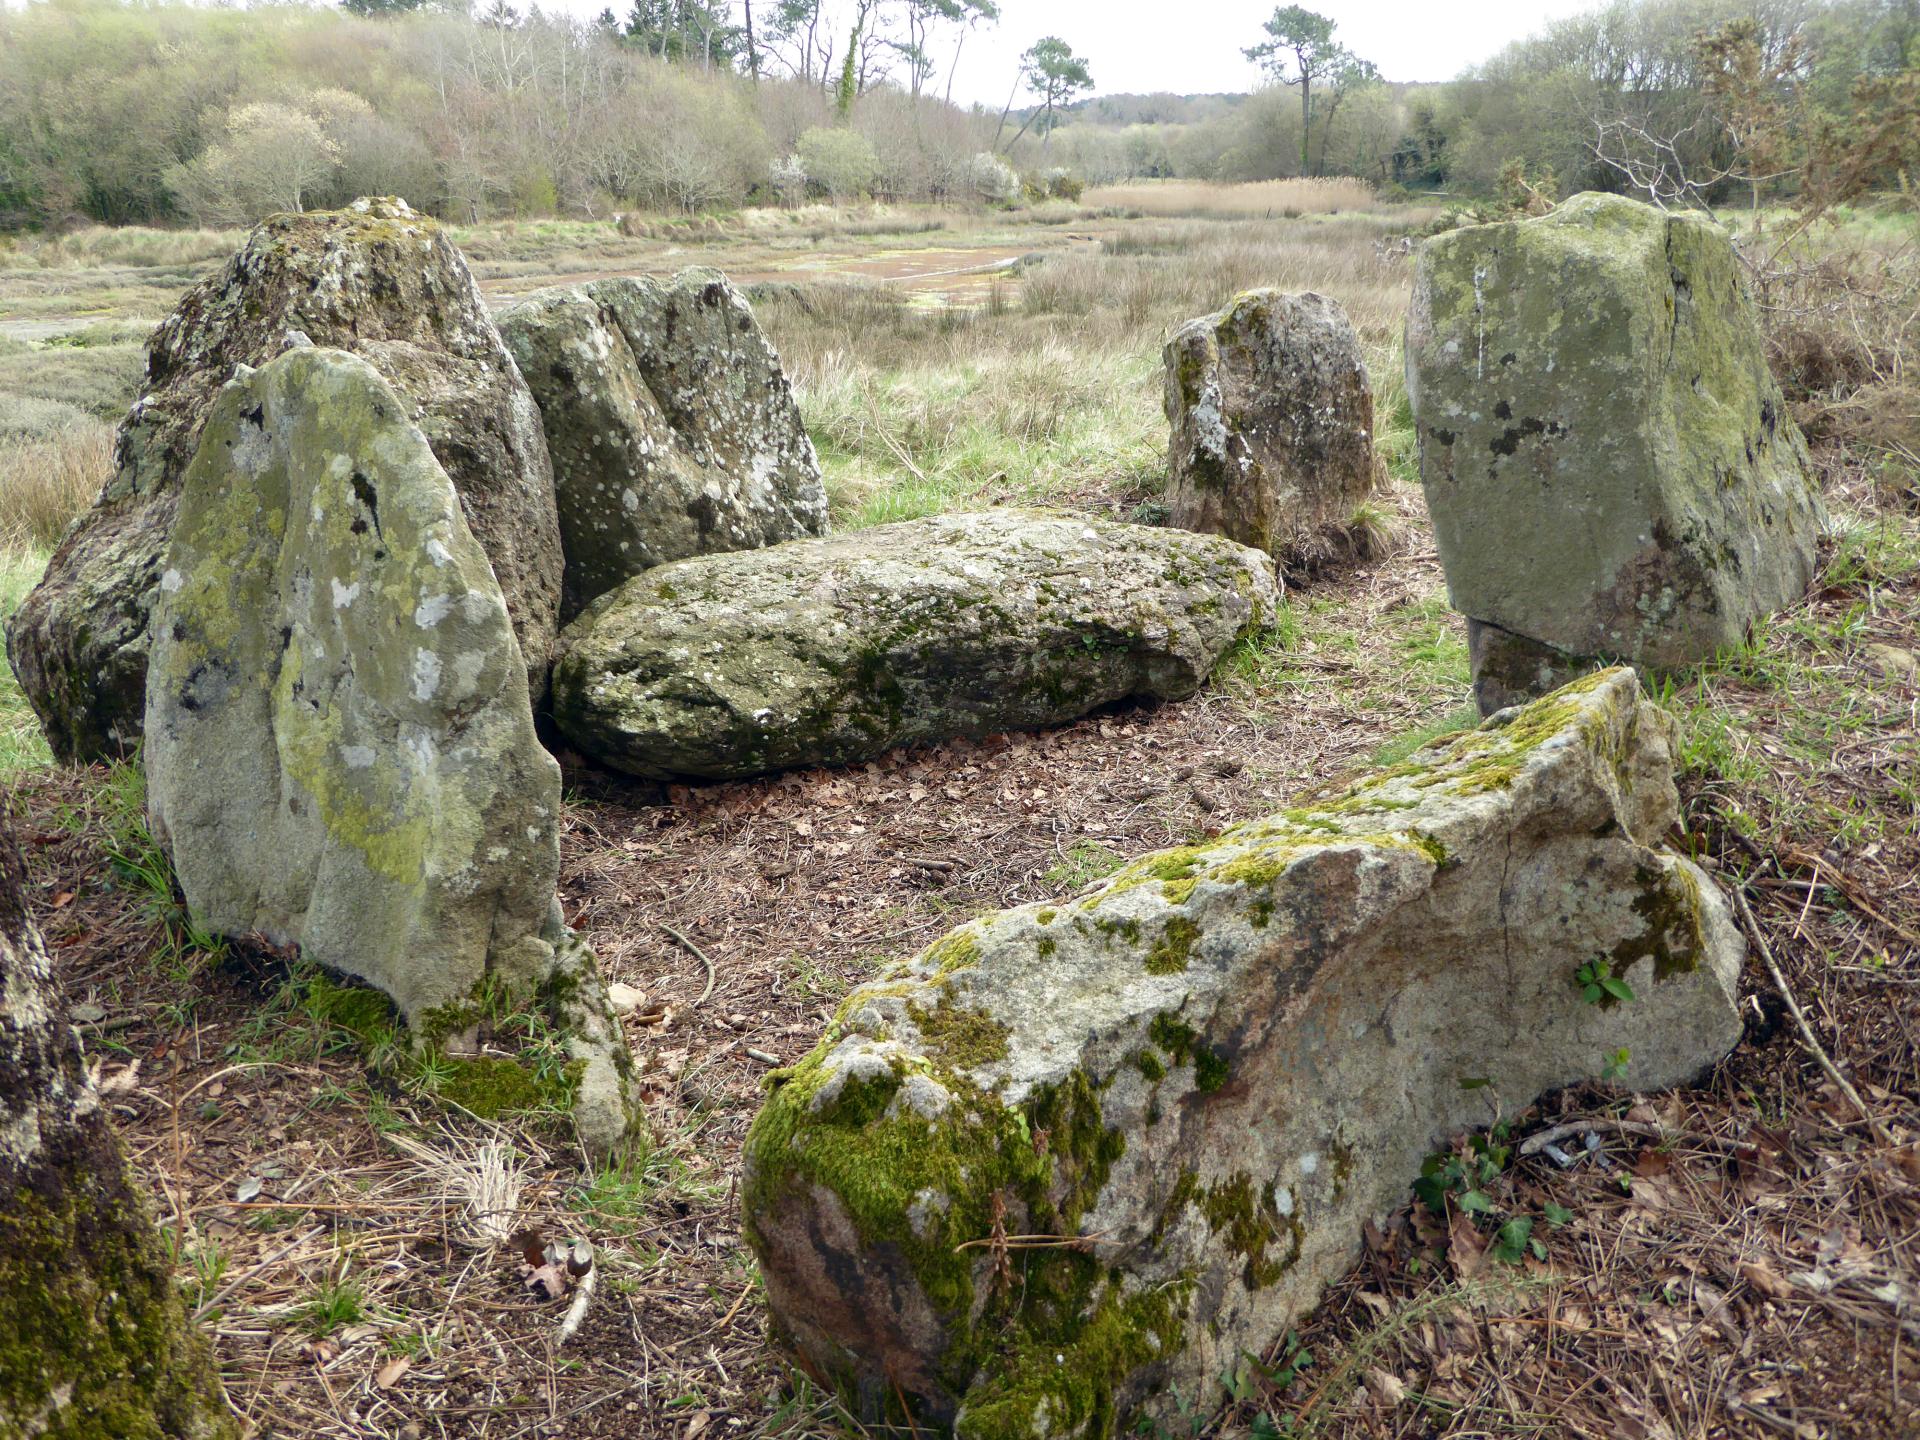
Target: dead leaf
[[389, 1374], [547, 1282], [1389, 1389], [1765, 1280], [62, 899], [1466, 1246]]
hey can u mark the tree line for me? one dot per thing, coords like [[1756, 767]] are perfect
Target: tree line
[[166, 112]]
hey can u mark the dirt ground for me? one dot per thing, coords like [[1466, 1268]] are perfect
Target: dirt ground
[[1738, 1258]]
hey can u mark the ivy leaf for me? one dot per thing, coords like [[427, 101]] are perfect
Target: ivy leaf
[[1510, 1241], [1475, 1202], [1557, 1215]]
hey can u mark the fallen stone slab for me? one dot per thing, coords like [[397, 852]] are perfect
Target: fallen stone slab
[[672, 427], [1609, 463], [1272, 416], [377, 279], [340, 749], [821, 652], [1196, 1081]]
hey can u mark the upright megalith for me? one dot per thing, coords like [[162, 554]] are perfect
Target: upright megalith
[[340, 747], [822, 652], [672, 427], [93, 1337], [1610, 466], [1272, 415], [1200, 1078], [376, 279]]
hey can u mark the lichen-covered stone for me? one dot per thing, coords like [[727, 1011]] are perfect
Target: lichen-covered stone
[[1272, 415], [93, 1338], [340, 747], [376, 279], [1200, 1077], [1609, 464], [829, 651], [671, 424]]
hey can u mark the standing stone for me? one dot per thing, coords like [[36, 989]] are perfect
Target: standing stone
[[672, 427], [376, 279], [1202, 1077], [1272, 416], [823, 652], [1609, 464], [93, 1337], [340, 748]]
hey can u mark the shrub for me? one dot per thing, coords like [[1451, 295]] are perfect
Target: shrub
[[991, 180], [839, 162]]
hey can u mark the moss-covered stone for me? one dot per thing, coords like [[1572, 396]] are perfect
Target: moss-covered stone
[[1271, 410], [830, 651], [1608, 461], [671, 424], [1077, 1157], [340, 746]]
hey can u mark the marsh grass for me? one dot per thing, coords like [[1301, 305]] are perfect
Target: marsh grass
[[1260, 199], [22, 746], [1052, 391], [46, 481], [93, 247]]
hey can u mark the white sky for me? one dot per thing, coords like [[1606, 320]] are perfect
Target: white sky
[[1193, 46]]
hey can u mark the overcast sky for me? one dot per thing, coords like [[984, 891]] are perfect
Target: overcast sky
[[1191, 46]]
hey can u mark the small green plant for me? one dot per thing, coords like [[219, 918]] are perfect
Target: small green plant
[[1463, 1173], [336, 1303], [142, 866], [1614, 1068], [1599, 985], [1514, 1241]]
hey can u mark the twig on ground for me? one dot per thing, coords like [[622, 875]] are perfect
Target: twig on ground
[[1755, 934], [701, 956]]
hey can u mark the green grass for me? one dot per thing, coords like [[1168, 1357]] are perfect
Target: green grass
[[1085, 863], [22, 746]]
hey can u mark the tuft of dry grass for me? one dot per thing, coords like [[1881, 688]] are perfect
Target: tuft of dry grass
[[1257, 199], [47, 481]]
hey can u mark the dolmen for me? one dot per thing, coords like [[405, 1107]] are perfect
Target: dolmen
[[322, 595], [1184, 1091], [1610, 466], [375, 279]]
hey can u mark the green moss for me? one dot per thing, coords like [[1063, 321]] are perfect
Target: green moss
[[1046, 1388], [1046, 1160], [1670, 903], [1172, 951], [1250, 1224], [88, 1305], [491, 1086], [964, 1039], [1210, 1070], [1151, 1066], [364, 1013], [952, 952]]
